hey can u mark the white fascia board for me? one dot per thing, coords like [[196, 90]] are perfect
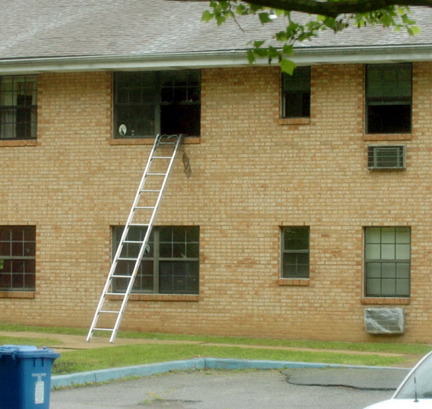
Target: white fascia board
[[363, 55], [302, 56]]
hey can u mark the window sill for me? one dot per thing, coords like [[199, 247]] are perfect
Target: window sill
[[21, 142], [293, 282], [388, 137], [385, 301], [293, 121], [159, 297], [188, 140], [17, 294]]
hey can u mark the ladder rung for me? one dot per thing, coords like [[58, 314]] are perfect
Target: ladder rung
[[161, 157], [144, 207], [121, 275], [126, 258], [104, 329], [118, 294], [150, 190], [132, 242], [138, 225], [109, 312]]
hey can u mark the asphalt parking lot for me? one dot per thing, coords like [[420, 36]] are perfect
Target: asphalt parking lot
[[297, 388]]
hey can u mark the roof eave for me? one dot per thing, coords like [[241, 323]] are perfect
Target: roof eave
[[207, 59]]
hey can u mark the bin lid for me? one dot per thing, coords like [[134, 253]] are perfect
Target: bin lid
[[27, 351]]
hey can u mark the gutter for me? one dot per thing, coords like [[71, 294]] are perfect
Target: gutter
[[210, 59]]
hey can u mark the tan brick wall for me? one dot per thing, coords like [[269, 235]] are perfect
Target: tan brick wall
[[251, 174]]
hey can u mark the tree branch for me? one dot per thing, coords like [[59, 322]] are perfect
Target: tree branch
[[331, 8]]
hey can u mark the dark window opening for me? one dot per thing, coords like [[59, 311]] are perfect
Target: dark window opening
[[388, 98], [151, 103], [296, 93]]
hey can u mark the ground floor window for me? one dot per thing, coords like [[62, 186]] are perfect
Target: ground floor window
[[387, 261], [17, 258], [170, 264], [295, 252]]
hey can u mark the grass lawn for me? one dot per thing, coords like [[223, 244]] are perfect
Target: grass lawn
[[209, 346]]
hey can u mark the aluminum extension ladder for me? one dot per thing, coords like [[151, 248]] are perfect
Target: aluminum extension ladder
[[142, 214]]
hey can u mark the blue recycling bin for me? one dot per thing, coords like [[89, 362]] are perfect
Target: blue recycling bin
[[25, 376]]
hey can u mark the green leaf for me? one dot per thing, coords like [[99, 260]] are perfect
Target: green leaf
[[242, 10], [251, 56], [207, 16], [261, 52], [287, 66], [264, 18], [281, 36], [413, 30], [288, 49], [258, 43]]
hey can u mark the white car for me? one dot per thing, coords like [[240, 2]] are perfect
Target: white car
[[415, 391]]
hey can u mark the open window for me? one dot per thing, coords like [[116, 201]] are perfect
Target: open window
[[148, 103], [388, 98], [296, 93]]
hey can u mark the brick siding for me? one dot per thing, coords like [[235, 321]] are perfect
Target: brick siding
[[251, 174]]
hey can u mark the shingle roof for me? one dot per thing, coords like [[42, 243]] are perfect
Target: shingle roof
[[119, 30]]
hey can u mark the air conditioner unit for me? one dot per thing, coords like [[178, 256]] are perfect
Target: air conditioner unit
[[384, 320], [384, 157]]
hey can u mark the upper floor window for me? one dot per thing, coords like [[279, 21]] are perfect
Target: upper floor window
[[17, 258], [388, 98], [148, 103], [387, 261], [296, 93], [295, 252], [170, 264], [18, 107]]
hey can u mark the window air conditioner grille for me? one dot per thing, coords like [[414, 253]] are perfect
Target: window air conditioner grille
[[386, 157], [384, 320]]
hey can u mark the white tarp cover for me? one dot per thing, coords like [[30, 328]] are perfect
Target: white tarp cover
[[384, 320]]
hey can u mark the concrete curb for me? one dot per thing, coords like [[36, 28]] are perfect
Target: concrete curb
[[104, 375]]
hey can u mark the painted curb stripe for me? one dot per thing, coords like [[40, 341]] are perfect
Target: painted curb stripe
[[104, 375]]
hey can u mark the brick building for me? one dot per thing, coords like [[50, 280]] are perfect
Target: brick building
[[308, 202]]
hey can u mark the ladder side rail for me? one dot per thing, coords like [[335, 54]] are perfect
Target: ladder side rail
[[137, 198], [113, 267], [135, 202], [145, 242], [131, 283]]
